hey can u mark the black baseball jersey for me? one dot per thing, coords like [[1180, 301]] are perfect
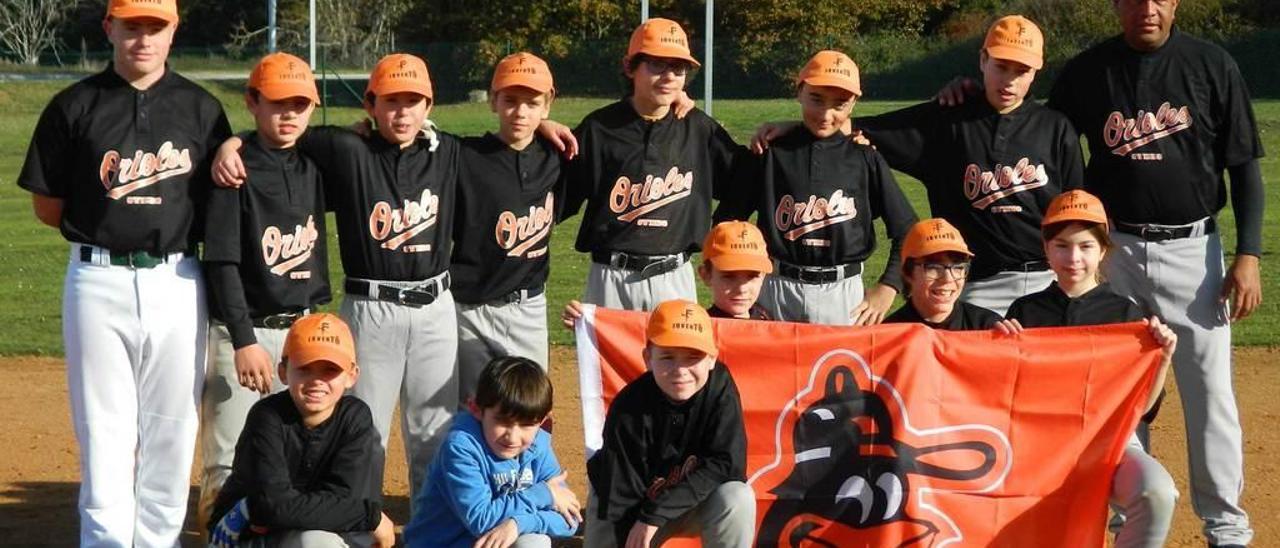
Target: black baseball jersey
[[394, 206], [264, 247], [991, 175], [660, 459], [1051, 307], [131, 166], [816, 200], [1161, 126], [648, 185], [507, 205], [964, 317], [294, 477]]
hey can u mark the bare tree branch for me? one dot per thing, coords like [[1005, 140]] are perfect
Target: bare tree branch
[[28, 27]]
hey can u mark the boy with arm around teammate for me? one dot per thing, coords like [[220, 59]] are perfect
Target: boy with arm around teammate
[[817, 194], [509, 192], [496, 481], [265, 259]]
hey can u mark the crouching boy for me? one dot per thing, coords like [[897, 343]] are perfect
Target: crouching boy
[[495, 481], [304, 472], [674, 450]]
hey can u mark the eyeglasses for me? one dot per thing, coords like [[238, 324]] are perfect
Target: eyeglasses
[[660, 66], [933, 271]]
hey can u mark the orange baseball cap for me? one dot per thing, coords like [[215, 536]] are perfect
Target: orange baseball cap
[[660, 37], [320, 337], [832, 68], [400, 73], [933, 236], [1075, 206], [281, 76], [737, 245], [681, 324], [522, 69], [1015, 38], [129, 9]]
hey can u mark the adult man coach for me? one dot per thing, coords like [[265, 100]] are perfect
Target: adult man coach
[[1165, 114], [118, 161]]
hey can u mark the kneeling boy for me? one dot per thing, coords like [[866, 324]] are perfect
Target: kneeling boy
[[304, 472], [496, 481], [674, 450]]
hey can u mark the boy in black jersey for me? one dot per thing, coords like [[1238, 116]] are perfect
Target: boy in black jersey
[[119, 163], [393, 196], [647, 177], [817, 194], [264, 259], [935, 265], [675, 449], [306, 471], [990, 167], [1076, 243], [509, 193]]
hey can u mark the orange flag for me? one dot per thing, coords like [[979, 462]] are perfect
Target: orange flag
[[900, 435]]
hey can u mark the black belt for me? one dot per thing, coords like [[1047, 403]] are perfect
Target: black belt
[[989, 271], [132, 259], [417, 296], [278, 321], [818, 274], [519, 295], [648, 265], [1160, 233]]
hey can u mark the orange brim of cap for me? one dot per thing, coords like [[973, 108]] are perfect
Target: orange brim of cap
[[281, 91], [135, 11], [540, 85], [835, 83], [670, 53], [941, 246], [402, 86], [1015, 54], [321, 353], [1075, 217], [742, 262], [677, 340]]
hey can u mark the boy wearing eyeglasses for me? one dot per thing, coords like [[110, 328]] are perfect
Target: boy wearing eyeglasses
[[935, 265]]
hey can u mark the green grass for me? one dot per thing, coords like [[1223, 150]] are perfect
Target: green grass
[[33, 257]]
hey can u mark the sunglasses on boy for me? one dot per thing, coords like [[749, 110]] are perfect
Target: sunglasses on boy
[[661, 66]]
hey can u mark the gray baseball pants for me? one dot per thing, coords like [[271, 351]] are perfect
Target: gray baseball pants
[[791, 300], [1180, 280], [492, 330], [997, 292], [410, 354], [726, 519], [623, 289]]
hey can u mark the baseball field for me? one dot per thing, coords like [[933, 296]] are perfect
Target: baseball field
[[38, 466]]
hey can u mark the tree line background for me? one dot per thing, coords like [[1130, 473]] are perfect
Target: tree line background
[[905, 48]]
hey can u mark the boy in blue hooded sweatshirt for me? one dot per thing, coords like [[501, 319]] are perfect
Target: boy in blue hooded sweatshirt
[[496, 480]]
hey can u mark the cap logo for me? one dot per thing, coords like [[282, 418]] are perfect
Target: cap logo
[[323, 336], [688, 313], [674, 37], [837, 70], [1022, 30], [743, 235], [291, 66]]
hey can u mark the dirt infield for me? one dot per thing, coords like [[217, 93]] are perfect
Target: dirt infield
[[39, 471]]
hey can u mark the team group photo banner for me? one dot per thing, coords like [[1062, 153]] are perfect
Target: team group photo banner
[[901, 435]]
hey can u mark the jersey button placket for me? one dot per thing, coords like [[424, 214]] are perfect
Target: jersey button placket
[[142, 119]]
